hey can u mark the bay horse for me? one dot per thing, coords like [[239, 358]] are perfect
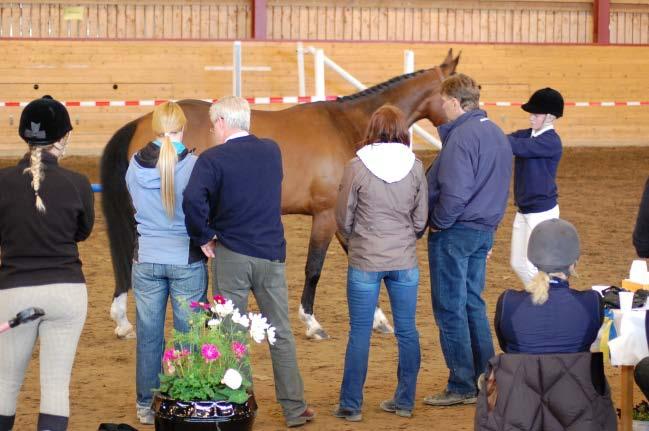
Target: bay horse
[[316, 140]]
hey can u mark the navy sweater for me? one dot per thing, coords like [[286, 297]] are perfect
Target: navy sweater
[[469, 182], [567, 322], [235, 193], [535, 172]]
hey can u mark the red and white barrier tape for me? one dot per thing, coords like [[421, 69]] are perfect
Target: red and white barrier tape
[[289, 100]]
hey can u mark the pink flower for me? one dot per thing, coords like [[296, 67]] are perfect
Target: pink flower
[[170, 355], [195, 304], [219, 299], [210, 352], [183, 353], [239, 349]]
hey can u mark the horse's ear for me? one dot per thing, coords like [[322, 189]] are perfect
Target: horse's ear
[[455, 63], [449, 57]]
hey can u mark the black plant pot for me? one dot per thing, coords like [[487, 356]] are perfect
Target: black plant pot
[[175, 415]]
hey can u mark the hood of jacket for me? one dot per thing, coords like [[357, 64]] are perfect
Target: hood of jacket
[[389, 161], [146, 171]]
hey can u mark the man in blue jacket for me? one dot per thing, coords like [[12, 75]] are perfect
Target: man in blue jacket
[[232, 207], [468, 187]]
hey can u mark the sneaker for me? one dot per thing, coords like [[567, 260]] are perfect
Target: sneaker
[[305, 417], [145, 415], [446, 398], [347, 414], [391, 406]]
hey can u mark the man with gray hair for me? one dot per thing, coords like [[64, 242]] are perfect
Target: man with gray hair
[[232, 207]]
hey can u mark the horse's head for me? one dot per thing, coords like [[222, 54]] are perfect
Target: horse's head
[[430, 106]]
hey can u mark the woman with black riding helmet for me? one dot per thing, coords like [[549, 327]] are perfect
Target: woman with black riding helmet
[[44, 211], [537, 152]]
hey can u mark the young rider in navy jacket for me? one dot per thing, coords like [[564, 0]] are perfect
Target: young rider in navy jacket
[[538, 151]]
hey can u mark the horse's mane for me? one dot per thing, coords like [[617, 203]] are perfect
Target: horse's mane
[[380, 87]]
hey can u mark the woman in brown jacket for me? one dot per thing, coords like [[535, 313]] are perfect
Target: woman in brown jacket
[[382, 209]]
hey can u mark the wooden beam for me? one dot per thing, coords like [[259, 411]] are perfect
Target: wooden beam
[[602, 21], [259, 17]]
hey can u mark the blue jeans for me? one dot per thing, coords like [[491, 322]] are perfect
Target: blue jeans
[[153, 284], [362, 296], [457, 257]]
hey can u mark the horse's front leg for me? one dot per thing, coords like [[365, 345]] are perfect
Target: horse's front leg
[[381, 323]]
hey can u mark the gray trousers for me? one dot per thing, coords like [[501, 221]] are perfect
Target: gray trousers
[[58, 331], [234, 276]]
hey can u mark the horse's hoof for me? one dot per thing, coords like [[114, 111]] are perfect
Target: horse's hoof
[[384, 328], [317, 334], [125, 332]]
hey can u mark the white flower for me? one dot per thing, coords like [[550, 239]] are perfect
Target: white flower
[[270, 333], [224, 309], [232, 379], [214, 322], [241, 320], [258, 327]]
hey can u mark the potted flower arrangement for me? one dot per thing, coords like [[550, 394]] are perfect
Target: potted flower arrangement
[[206, 381], [641, 417]]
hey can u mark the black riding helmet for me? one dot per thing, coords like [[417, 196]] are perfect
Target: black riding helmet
[[44, 121], [545, 101]]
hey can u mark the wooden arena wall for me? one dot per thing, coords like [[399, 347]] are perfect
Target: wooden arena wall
[[516, 21], [141, 70]]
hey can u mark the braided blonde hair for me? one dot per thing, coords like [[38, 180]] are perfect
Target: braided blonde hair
[[539, 287], [36, 170]]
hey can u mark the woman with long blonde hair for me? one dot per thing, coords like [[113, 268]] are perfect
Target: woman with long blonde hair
[[166, 264]]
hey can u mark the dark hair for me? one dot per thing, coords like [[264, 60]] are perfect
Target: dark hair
[[387, 124]]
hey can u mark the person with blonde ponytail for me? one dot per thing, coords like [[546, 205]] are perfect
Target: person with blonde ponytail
[[549, 316], [167, 263], [45, 210]]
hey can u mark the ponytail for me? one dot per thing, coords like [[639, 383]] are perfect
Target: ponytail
[[167, 166], [36, 170], [539, 288]]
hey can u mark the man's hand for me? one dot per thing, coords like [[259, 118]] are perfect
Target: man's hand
[[208, 248]]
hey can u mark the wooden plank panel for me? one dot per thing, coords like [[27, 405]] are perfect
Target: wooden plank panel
[[149, 21], [45, 20], [417, 17], [516, 25], [73, 28], [294, 18], [107, 20], [628, 27], [322, 22], [312, 22], [484, 25], [525, 25], [500, 26], [347, 22], [140, 22], [35, 20], [408, 23], [434, 25], [541, 23], [534, 22], [475, 25], [644, 28], [620, 27], [25, 20], [205, 22], [493, 25], [613, 27], [468, 25], [565, 27], [574, 26], [159, 21], [400, 25], [130, 21], [121, 21], [93, 24], [443, 24], [459, 25], [195, 21], [168, 18], [558, 19], [5, 30], [176, 21], [64, 29]]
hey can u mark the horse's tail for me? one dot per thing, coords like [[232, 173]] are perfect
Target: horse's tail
[[116, 204]]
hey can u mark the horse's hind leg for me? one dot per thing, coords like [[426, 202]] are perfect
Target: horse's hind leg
[[124, 328], [322, 230], [381, 323]]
